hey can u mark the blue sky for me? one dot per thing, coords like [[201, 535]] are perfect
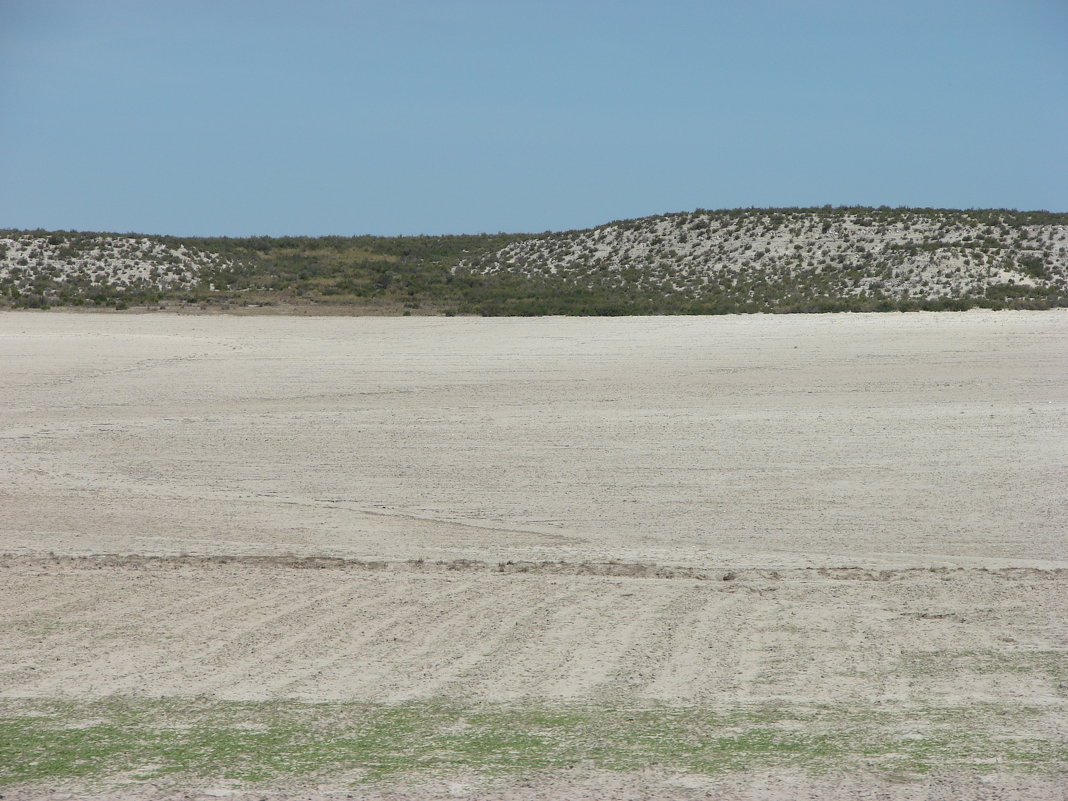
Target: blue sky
[[240, 117]]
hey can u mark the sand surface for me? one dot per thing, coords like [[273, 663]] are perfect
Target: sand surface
[[861, 509], [888, 440]]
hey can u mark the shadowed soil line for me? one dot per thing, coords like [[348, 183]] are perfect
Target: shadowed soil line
[[561, 568]]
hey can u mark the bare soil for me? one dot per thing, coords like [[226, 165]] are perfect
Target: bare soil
[[860, 509]]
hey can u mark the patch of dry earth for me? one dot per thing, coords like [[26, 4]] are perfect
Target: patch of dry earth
[[883, 494]]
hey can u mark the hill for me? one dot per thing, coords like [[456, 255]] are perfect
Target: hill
[[742, 260]]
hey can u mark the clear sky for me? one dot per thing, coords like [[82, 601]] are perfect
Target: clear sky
[[239, 117]]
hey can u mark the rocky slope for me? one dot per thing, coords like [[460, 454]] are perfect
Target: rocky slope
[[817, 254], [55, 265]]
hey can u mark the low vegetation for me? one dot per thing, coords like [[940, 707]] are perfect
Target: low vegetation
[[702, 262], [184, 741]]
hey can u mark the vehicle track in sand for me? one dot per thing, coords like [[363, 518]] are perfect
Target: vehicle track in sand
[[255, 628]]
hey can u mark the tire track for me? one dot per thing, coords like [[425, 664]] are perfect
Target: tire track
[[364, 667], [385, 634], [159, 658], [650, 634], [553, 641], [589, 669], [702, 649], [330, 642], [493, 672]]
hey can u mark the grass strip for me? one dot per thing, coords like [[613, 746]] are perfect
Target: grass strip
[[121, 740]]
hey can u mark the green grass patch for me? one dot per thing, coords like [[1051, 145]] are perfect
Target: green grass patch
[[191, 740]]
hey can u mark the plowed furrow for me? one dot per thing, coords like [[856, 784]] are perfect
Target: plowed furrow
[[400, 629]]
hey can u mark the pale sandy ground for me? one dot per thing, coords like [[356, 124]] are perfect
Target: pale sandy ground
[[239, 631], [643, 786], [928, 451]]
